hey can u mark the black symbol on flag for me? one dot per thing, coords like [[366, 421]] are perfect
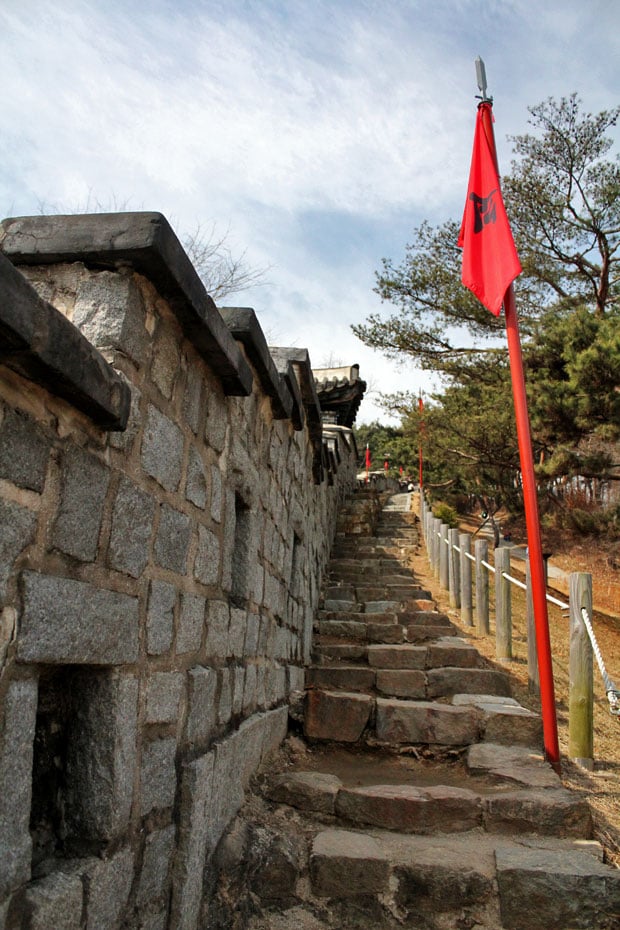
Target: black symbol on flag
[[484, 210]]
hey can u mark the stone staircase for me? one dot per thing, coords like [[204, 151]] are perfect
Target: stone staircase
[[418, 797]]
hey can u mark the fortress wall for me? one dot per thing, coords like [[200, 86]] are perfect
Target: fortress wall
[[168, 499]]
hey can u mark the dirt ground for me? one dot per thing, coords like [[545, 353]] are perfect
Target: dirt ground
[[602, 785]]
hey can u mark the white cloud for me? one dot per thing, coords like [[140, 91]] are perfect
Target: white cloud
[[320, 133]]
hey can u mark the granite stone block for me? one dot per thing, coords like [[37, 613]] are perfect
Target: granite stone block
[[109, 311], [160, 617], [196, 487], [191, 623], [163, 697], [132, 524], [108, 883], [194, 841], [24, 451], [158, 775], [101, 759], [207, 567], [17, 529], [218, 621], [172, 540], [202, 706], [155, 875], [162, 449], [55, 901], [84, 485], [16, 755], [67, 621]]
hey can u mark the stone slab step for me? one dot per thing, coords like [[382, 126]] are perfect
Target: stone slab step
[[344, 716], [390, 633], [469, 878], [426, 809], [404, 655], [409, 617], [456, 654], [417, 684], [339, 716], [545, 889], [448, 681], [371, 591], [458, 724], [324, 653], [370, 567], [341, 678]]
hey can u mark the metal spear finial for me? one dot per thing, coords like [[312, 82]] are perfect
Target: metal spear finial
[[481, 77]]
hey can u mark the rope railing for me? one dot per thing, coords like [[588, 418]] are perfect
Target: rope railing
[[451, 566], [515, 581], [613, 695]]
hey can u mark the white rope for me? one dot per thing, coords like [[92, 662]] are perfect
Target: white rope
[[519, 584], [613, 695]]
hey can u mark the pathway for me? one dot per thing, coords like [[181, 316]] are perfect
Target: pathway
[[418, 797]]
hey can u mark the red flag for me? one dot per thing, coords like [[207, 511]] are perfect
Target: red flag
[[367, 456], [490, 260]]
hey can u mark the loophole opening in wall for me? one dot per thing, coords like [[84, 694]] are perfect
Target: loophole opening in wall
[[49, 770], [295, 585], [240, 553], [71, 780]]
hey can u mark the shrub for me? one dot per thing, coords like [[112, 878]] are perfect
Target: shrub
[[446, 514]]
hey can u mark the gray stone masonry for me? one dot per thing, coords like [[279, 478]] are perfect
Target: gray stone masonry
[[165, 521]]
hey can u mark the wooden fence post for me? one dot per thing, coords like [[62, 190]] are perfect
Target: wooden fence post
[[482, 587], [581, 674], [429, 537], [533, 679], [503, 615], [444, 578], [466, 592], [436, 545], [454, 568]]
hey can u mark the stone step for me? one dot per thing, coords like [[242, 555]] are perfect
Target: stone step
[[428, 808], [417, 684], [468, 719], [455, 653], [367, 591], [342, 716], [392, 566], [368, 567], [450, 651], [324, 653], [396, 531], [487, 838], [466, 880], [422, 615], [367, 607], [393, 633]]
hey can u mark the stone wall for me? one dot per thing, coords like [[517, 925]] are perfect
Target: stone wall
[[168, 500]]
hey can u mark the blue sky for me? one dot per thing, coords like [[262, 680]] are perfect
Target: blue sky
[[314, 134]]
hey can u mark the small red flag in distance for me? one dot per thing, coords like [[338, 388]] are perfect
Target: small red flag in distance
[[367, 455], [490, 260]]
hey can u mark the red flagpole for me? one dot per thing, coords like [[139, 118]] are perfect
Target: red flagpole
[[539, 594]]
